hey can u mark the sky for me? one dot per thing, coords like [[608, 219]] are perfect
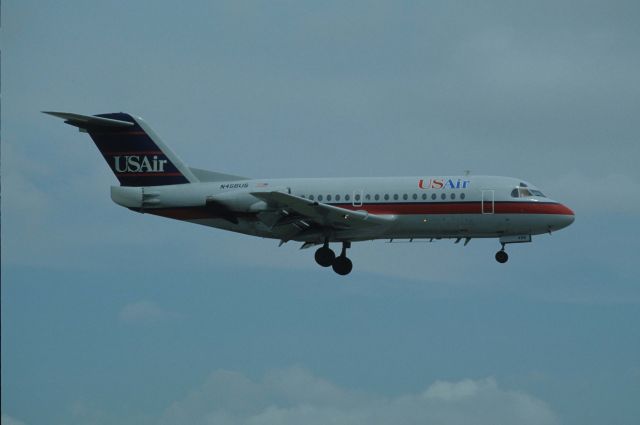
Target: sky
[[114, 317]]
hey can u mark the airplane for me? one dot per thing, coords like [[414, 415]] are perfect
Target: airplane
[[317, 211]]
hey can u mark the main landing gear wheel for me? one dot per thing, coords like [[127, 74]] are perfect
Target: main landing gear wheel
[[325, 256], [502, 256], [342, 265]]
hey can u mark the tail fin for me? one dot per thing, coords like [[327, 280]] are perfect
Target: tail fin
[[133, 151]]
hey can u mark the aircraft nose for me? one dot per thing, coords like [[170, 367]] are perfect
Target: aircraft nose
[[565, 217]]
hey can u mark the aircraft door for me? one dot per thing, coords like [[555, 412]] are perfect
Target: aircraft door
[[488, 201]]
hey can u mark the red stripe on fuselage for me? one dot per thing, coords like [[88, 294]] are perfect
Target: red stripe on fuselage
[[461, 208]]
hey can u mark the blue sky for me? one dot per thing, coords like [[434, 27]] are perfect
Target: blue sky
[[110, 316]]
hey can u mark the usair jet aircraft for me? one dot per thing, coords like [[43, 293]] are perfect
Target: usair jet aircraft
[[317, 211]]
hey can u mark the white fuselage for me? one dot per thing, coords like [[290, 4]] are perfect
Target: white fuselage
[[417, 207]]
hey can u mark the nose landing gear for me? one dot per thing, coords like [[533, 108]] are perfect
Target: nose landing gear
[[502, 256], [325, 257]]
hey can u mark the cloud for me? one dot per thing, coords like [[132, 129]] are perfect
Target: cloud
[[144, 312], [294, 396]]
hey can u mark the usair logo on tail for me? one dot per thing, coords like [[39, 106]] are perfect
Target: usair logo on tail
[[138, 164]]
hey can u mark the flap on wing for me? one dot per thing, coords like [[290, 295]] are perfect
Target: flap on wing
[[324, 214]]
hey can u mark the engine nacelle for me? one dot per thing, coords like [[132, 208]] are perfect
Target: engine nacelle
[[238, 202], [191, 195]]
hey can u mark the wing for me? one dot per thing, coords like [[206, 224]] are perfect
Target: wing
[[323, 215]]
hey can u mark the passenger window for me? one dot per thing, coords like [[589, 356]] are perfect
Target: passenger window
[[395, 196], [424, 196], [443, 196], [377, 197], [337, 197], [311, 197], [367, 197], [433, 196], [453, 196], [405, 196], [347, 197], [415, 196], [319, 197], [328, 197], [357, 197], [462, 196], [386, 197]]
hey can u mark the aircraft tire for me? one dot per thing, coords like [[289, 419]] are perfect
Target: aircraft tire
[[325, 257], [502, 257], [342, 265]]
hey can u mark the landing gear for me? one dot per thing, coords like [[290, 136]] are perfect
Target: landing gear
[[502, 256], [342, 265], [326, 257]]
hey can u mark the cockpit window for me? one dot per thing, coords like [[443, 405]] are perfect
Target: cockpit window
[[523, 192]]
